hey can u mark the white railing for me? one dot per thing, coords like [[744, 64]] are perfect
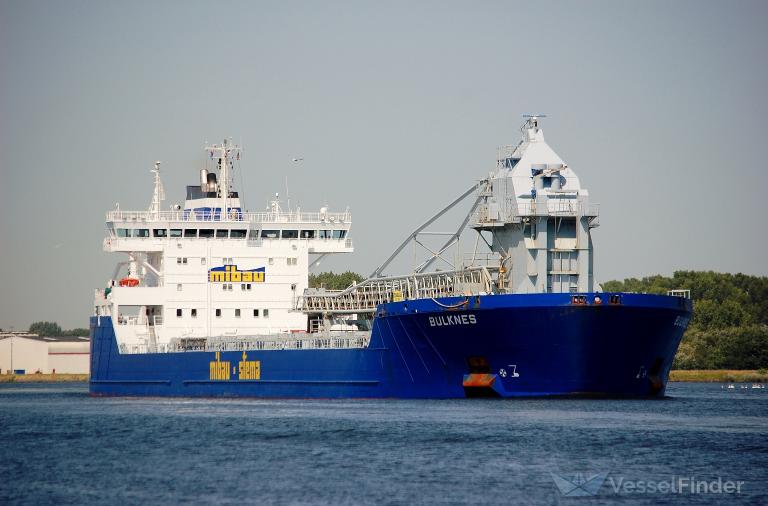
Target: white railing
[[505, 152], [293, 341], [140, 320], [554, 207], [233, 217], [116, 243]]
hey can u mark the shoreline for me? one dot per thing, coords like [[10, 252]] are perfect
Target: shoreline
[[697, 375], [43, 378], [719, 375]]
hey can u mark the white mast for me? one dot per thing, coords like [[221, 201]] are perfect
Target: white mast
[[159, 193], [222, 155]]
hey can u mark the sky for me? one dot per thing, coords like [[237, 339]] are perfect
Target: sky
[[396, 109]]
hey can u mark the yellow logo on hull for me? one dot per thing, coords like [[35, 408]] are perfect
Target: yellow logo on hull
[[249, 369], [219, 370]]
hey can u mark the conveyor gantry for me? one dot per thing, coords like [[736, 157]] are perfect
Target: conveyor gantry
[[365, 296]]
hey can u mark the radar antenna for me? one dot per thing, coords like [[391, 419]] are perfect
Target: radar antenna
[[531, 121]]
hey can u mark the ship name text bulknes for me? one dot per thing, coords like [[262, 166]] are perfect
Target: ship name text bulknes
[[454, 319]]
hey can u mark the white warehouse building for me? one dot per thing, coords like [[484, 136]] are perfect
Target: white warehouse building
[[30, 353]]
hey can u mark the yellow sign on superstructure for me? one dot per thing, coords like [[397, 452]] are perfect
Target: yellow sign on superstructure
[[230, 274]]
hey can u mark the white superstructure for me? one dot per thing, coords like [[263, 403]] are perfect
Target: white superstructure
[[211, 268], [539, 218]]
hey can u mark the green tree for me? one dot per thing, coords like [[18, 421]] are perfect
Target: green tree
[[76, 332], [709, 314], [333, 281], [45, 328]]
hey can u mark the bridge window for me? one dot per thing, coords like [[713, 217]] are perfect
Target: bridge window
[[221, 234], [160, 232], [206, 233], [339, 234], [269, 234], [307, 234], [175, 232], [326, 234], [141, 232], [190, 232], [237, 234], [290, 234], [123, 232]]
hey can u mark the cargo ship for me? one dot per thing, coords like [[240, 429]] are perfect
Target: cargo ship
[[210, 299]]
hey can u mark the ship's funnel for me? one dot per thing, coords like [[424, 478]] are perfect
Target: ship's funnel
[[211, 182]]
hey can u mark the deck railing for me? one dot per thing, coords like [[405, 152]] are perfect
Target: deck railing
[[234, 216]]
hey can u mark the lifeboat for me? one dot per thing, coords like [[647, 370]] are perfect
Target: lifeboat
[[129, 282]]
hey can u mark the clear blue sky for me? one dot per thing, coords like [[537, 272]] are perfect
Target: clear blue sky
[[396, 107]]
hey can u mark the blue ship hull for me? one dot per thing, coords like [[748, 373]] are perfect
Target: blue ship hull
[[488, 345]]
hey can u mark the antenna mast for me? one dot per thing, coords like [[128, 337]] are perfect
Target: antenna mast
[[224, 155], [159, 193]]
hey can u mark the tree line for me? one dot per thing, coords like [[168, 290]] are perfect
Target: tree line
[[52, 329], [333, 281]]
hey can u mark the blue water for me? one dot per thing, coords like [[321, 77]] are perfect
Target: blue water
[[57, 445]]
